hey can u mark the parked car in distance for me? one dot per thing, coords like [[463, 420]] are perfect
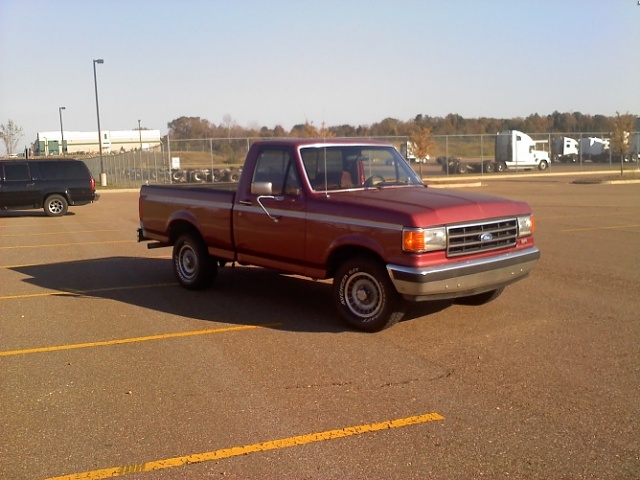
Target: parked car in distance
[[52, 185]]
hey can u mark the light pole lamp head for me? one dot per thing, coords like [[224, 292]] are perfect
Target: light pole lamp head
[[100, 60]]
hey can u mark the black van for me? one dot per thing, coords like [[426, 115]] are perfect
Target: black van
[[49, 184]]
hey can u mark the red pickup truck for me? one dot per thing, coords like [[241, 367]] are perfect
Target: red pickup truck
[[351, 210]]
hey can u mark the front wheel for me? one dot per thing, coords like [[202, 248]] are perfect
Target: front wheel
[[55, 205], [543, 165], [365, 296], [193, 266]]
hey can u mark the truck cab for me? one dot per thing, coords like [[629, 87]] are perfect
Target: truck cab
[[517, 150]]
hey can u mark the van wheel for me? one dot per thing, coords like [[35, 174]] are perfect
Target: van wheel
[[192, 265], [543, 165], [55, 205], [365, 296]]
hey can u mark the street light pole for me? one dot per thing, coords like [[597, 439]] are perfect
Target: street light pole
[[140, 136], [61, 130], [103, 175]]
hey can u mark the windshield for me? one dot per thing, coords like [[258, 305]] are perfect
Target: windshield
[[356, 166]]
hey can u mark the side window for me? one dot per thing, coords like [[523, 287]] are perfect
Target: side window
[[16, 171], [275, 166]]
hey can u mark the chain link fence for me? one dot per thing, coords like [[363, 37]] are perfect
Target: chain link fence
[[221, 160]]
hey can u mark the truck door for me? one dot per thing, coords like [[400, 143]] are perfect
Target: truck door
[[18, 186], [270, 230]]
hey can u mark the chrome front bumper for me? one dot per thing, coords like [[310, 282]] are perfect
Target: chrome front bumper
[[460, 279]]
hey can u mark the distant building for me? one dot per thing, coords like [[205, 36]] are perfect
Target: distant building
[[50, 143]]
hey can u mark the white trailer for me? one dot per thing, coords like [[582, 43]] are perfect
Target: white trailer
[[407, 150], [595, 149]]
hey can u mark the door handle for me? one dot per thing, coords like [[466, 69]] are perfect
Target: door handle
[[245, 202]]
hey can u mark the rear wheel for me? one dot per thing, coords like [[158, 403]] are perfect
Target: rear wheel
[[55, 205], [543, 165], [501, 167], [365, 296], [193, 266]]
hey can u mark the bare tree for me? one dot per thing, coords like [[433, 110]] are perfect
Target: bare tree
[[10, 133], [229, 123]]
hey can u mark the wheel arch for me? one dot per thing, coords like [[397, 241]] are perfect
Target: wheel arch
[[63, 193], [344, 252], [180, 226]]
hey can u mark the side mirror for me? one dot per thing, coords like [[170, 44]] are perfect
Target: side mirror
[[262, 188]]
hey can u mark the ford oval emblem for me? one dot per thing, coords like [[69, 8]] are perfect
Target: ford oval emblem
[[486, 237]]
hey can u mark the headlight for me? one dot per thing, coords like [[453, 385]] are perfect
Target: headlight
[[526, 226], [420, 240]]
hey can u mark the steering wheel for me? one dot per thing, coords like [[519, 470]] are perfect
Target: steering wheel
[[373, 180]]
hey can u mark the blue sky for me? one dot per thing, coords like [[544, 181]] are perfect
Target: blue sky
[[281, 62]]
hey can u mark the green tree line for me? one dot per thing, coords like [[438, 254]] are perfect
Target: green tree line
[[452, 124]]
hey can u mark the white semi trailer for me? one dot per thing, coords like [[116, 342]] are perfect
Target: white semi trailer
[[595, 149]]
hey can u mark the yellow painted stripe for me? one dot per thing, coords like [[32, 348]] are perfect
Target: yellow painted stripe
[[247, 449], [121, 341], [586, 229], [56, 233], [28, 265], [30, 225], [85, 292], [75, 244]]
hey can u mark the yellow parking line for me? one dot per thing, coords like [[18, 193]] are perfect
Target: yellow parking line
[[586, 229], [121, 341], [56, 233], [85, 292], [247, 449], [30, 225], [66, 244]]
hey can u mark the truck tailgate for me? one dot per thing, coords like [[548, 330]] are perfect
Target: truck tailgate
[[167, 209]]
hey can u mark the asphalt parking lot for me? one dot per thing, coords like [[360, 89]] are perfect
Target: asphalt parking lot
[[108, 368]]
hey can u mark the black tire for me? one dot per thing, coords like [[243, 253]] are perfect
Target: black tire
[[543, 165], [501, 167], [481, 298], [192, 265], [55, 205], [461, 168], [365, 296], [489, 167]]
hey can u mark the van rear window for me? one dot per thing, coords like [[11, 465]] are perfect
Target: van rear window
[[62, 170]]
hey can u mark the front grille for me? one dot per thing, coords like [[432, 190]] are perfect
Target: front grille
[[481, 237]]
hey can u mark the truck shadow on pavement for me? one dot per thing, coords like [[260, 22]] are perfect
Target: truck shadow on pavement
[[239, 296]]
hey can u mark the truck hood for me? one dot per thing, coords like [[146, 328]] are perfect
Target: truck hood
[[420, 206]]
